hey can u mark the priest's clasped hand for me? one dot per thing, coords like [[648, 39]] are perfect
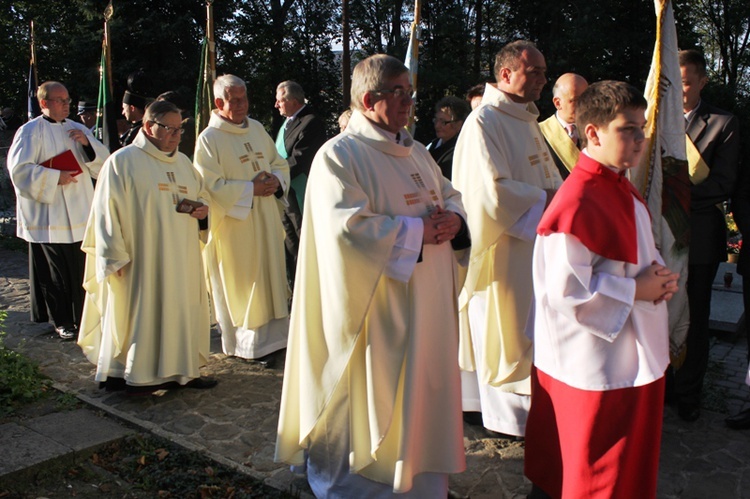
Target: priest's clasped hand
[[265, 184], [440, 225]]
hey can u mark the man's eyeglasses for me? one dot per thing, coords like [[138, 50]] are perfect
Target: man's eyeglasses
[[440, 122], [60, 100], [398, 92], [170, 129]]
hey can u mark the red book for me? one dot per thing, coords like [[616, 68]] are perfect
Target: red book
[[65, 162]]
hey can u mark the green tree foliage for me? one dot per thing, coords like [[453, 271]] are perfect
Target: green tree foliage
[[66, 40], [268, 41], [381, 26]]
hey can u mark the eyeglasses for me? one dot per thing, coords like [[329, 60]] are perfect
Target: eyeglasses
[[398, 92], [440, 122], [60, 100], [170, 129]]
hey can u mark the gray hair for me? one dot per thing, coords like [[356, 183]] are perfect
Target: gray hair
[[158, 109], [292, 90], [224, 82], [371, 74]]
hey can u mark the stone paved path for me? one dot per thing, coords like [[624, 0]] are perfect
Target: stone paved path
[[235, 422]]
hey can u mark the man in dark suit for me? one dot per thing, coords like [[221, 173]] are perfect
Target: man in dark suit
[[450, 113], [298, 139], [741, 212], [715, 135]]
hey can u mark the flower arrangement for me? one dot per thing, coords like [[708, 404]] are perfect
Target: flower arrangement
[[734, 244], [734, 238]]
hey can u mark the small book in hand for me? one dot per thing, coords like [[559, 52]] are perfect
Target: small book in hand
[[65, 162], [188, 206]]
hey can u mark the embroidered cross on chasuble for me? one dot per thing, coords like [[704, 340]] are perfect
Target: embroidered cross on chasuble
[[172, 187], [543, 158], [428, 197], [251, 157]]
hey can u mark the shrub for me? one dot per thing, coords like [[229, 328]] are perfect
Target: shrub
[[20, 379]]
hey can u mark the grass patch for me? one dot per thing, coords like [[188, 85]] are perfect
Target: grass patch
[[153, 464], [20, 379]]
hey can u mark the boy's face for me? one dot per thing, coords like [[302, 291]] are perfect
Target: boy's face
[[620, 143]]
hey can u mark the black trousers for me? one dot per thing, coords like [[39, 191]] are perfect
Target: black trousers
[[689, 377], [746, 302], [292, 221], [56, 282]]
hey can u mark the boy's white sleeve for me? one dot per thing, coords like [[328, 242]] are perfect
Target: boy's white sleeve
[[600, 300]]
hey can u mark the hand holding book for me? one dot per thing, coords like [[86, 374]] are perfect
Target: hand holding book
[[65, 162]]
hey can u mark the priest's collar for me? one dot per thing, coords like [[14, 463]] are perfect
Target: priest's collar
[[47, 118], [393, 137], [227, 121]]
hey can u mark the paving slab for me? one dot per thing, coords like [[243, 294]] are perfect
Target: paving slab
[[727, 306], [23, 447], [235, 423], [79, 429]]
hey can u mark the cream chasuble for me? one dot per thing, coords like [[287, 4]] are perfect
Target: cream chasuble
[[559, 140], [388, 346], [149, 325], [501, 166], [245, 254]]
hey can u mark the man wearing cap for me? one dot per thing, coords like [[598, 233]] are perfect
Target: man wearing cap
[[133, 107], [87, 114]]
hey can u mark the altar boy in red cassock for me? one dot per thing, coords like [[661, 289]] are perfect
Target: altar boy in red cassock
[[601, 340]]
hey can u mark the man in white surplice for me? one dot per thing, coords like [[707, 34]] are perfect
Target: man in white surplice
[[505, 173], [248, 181]]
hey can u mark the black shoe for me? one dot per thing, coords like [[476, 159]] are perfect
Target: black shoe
[[201, 383], [67, 333], [141, 390], [740, 421], [688, 411], [113, 384], [271, 360], [473, 418], [503, 436]]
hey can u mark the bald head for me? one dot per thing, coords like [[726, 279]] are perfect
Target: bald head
[[565, 94]]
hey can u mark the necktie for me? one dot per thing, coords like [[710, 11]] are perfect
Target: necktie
[[573, 133]]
